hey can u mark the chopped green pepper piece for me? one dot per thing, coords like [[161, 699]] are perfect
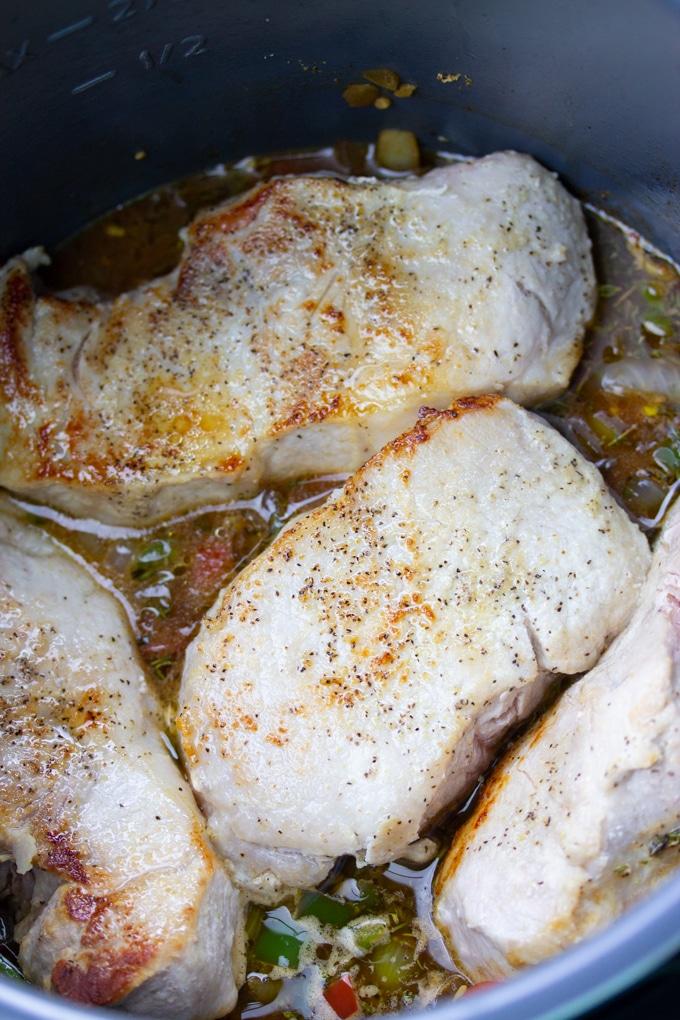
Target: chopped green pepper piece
[[392, 962], [367, 932], [8, 969], [281, 950], [667, 459], [326, 909], [279, 940], [360, 891]]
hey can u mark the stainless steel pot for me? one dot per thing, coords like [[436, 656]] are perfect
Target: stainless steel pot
[[105, 99]]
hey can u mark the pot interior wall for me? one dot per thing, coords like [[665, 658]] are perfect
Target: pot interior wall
[[589, 88]]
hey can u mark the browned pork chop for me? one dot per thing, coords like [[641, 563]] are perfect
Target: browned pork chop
[[307, 321], [354, 680], [582, 817], [128, 904]]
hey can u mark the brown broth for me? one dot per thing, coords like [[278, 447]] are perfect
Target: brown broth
[[632, 435], [167, 576]]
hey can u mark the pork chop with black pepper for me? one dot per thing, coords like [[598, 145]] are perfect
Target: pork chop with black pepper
[[581, 819], [355, 679], [124, 899], [307, 321]]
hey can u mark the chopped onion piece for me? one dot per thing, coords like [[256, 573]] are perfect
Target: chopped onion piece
[[655, 375], [397, 150], [360, 95], [383, 76]]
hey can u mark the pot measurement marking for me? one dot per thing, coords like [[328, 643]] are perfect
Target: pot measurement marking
[[92, 82], [193, 46], [128, 8], [61, 33], [15, 58]]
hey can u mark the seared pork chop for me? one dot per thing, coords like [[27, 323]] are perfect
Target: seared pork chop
[[355, 679], [128, 903], [306, 322], [582, 817]]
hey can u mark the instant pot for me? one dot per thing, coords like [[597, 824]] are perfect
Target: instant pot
[[105, 99]]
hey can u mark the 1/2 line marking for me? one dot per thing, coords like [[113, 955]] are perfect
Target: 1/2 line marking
[[92, 82]]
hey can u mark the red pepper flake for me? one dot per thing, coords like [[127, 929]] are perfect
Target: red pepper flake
[[340, 995], [481, 986]]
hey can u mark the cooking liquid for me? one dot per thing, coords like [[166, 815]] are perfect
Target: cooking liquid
[[620, 411]]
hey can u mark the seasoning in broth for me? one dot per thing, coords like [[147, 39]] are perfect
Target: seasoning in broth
[[365, 940], [622, 409]]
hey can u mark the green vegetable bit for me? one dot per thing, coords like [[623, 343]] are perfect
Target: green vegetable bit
[[607, 290], [667, 459], [658, 326], [8, 969], [276, 938], [667, 456], [361, 892], [661, 842], [393, 962], [368, 931], [151, 558], [162, 665], [327, 909]]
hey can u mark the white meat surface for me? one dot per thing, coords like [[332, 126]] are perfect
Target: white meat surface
[[582, 817], [128, 903], [355, 679], [306, 323]]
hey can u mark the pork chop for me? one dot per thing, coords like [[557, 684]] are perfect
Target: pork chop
[[582, 817], [306, 323], [355, 679], [128, 904]]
